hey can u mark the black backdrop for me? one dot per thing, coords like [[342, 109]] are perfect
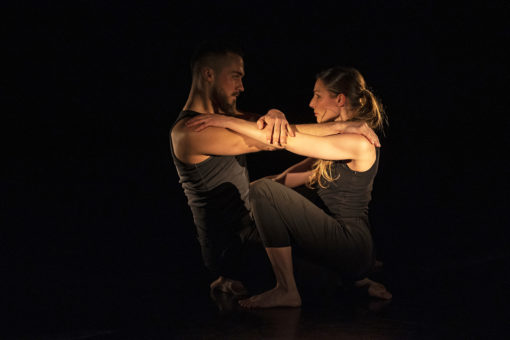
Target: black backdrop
[[92, 87]]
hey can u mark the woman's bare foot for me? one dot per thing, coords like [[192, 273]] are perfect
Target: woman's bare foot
[[374, 289], [276, 297], [228, 286]]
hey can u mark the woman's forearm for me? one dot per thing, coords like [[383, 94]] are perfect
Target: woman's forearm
[[295, 179], [296, 175]]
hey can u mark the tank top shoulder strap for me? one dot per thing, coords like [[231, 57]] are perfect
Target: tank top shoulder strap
[[185, 114]]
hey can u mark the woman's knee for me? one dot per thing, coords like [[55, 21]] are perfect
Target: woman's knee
[[262, 188]]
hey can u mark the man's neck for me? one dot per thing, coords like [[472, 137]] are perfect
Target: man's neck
[[199, 101]]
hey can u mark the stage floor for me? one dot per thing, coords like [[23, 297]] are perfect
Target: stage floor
[[449, 301]]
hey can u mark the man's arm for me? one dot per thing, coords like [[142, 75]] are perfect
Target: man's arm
[[277, 128], [333, 128], [189, 144], [324, 129]]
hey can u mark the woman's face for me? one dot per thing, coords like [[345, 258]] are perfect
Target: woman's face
[[325, 104]]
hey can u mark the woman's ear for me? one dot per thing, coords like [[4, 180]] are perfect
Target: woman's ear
[[341, 100]]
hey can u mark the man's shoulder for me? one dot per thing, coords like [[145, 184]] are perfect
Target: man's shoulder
[[179, 126], [184, 144], [181, 132], [182, 117]]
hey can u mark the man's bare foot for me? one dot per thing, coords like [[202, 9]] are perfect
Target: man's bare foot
[[374, 289], [228, 286], [276, 297]]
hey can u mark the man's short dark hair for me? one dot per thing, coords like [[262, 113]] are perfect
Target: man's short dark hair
[[213, 48]]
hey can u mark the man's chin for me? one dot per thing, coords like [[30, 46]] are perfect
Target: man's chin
[[231, 109]]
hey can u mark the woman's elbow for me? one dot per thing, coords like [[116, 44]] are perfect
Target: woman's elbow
[[273, 147]]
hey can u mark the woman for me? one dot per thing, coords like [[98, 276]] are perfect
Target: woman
[[342, 167]]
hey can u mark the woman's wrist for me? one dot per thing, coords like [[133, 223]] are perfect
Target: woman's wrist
[[339, 126], [229, 122]]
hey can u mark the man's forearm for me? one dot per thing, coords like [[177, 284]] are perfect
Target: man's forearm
[[321, 129], [333, 128], [248, 129]]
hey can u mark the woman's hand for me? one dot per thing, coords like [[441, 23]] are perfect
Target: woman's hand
[[203, 121], [276, 126]]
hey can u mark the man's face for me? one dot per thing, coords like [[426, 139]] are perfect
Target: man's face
[[228, 83]]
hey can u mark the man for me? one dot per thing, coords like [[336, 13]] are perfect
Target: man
[[211, 164]]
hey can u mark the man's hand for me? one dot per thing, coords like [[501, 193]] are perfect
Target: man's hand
[[361, 128], [277, 127]]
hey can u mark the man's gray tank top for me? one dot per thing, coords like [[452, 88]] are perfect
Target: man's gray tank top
[[217, 190]]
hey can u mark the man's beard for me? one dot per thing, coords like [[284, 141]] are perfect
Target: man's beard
[[220, 100]]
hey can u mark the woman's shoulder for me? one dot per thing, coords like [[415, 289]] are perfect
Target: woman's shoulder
[[365, 152], [358, 143]]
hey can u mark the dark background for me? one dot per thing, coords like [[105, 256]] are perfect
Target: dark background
[[91, 89]]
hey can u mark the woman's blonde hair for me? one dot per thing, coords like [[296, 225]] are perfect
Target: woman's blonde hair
[[363, 104]]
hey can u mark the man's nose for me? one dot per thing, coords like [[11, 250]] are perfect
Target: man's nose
[[241, 87], [311, 104]]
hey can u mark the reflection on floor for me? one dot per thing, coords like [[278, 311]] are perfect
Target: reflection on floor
[[447, 302]]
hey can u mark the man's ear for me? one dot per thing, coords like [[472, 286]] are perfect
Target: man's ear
[[207, 74], [341, 100]]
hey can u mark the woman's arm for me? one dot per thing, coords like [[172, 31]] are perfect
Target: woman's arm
[[334, 147], [296, 175]]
